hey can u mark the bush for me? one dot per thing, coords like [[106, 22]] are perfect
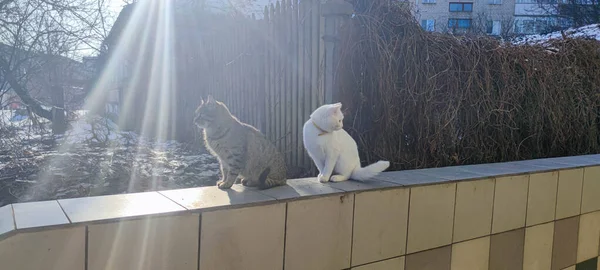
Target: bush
[[423, 99]]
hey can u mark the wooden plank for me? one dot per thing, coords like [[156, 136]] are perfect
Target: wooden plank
[[288, 80], [294, 83], [267, 73], [315, 41], [307, 64], [272, 70], [278, 68]]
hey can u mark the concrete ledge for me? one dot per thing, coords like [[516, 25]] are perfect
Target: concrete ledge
[[114, 207]]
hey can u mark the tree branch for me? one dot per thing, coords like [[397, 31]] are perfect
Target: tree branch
[[23, 94]]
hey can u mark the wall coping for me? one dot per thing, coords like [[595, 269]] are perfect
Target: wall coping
[[28, 216]]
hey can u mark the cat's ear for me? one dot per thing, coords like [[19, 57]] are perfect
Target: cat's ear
[[335, 108]]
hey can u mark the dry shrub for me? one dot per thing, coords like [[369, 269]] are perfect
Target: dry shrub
[[422, 99]]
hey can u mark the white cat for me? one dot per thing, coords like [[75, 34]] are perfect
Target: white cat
[[332, 149]]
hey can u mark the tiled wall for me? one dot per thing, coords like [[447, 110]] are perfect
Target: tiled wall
[[537, 214]]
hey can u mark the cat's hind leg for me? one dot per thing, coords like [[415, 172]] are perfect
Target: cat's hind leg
[[339, 178], [249, 183], [343, 171]]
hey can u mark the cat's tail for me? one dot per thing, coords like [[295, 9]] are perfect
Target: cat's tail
[[370, 171], [264, 182]]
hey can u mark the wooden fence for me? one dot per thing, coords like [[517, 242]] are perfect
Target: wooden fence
[[270, 70], [267, 70]]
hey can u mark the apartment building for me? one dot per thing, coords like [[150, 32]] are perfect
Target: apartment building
[[492, 17]]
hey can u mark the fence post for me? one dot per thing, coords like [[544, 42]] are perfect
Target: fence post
[[334, 12]]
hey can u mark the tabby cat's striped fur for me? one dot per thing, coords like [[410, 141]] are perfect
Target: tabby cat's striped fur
[[243, 152]]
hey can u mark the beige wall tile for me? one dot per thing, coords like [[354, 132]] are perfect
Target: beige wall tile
[[564, 245], [245, 238], [570, 268], [538, 247], [319, 232], [169, 242], [380, 222], [56, 249], [568, 200], [590, 198], [431, 217], [473, 213], [541, 202], [507, 250], [472, 254], [395, 264], [434, 259], [589, 236], [510, 203]]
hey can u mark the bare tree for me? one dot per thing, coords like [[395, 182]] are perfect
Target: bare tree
[[570, 12], [491, 24], [38, 39]]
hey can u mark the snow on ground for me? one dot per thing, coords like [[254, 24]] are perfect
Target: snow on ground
[[92, 158], [591, 31]]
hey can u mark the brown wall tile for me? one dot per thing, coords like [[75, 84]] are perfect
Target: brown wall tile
[[506, 250], [435, 259], [564, 250], [568, 199]]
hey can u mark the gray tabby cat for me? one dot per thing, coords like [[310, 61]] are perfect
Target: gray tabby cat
[[243, 151]]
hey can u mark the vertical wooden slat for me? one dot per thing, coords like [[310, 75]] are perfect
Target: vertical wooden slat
[[273, 69], [307, 62], [294, 83], [301, 62], [266, 67], [315, 27], [288, 82], [277, 88]]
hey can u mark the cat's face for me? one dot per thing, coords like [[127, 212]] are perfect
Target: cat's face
[[207, 113], [335, 117]]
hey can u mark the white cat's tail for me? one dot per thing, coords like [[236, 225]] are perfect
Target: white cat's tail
[[370, 171]]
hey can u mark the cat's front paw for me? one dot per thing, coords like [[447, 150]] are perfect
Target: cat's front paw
[[323, 178], [224, 185], [338, 178]]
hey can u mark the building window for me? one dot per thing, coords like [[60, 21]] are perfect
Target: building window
[[534, 25], [428, 25], [493, 28], [495, 2], [459, 23], [428, 1], [461, 7]]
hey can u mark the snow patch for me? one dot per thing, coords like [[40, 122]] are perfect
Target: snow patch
[[591, 31]]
